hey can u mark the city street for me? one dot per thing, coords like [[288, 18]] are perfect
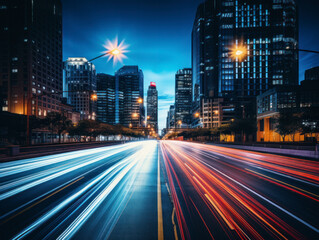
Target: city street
[[120, 192], [109, 192], [223, 193]]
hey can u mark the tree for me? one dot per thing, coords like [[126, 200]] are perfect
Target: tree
[[56, 122], [288, 123], [244, 127]]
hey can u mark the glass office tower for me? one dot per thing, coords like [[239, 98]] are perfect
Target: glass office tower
[[152, 106]]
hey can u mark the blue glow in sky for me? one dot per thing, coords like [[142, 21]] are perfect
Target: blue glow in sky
[[158, 33]]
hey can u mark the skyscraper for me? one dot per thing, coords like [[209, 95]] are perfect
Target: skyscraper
[[152, 106], [31, 56], [129, 88], [105, 98], [205, 52], [183, 96], [266, 31], [80, 86]]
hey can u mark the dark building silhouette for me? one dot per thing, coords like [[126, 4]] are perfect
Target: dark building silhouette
[[80, 86], [170, 119], [183, 96], [31, 56], [152, 106], [312, 74], [129, 89], [105, 98]]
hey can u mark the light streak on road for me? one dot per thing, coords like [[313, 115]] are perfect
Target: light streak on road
[[249, 195], [84, 187]]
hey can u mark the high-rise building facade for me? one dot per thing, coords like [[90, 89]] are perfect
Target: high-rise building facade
[[183, 96], [265, 31], [129, 90], [170, 120], [268, 31], [205, 52], [152, 106], [31, 56], [80, 86], [105, 91]]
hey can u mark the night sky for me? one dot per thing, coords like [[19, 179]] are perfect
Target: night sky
[[158, 33]]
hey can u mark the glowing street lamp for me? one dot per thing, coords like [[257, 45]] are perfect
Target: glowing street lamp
[[196, 115], [93, 97], [135, 115], [114, 51], [140, 100], [238, 52]]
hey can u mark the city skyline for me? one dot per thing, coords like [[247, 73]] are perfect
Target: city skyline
[[167, 41], [167, 119]]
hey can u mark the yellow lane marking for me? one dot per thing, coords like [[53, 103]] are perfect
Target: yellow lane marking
[[59, 190], [283, 183], [159, 201], [175, 229]]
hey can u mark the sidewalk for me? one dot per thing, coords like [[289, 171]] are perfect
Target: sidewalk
[[284, 151]]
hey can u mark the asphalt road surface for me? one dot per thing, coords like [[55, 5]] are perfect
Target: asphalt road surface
[[159, 190], [224, 193]]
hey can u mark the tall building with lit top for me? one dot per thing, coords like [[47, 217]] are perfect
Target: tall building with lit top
[[152, 106], [31, 56], [80, 86], [183, 97], [129, 90]]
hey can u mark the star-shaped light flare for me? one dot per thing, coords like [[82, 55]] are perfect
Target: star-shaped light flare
[[115, 51]]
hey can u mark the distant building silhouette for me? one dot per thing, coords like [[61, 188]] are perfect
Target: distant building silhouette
[[312, 74], [152, 106], [129, 89], [105, 98], [183, 97]]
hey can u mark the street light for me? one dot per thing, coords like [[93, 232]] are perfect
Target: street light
[[197, 115], [135, 115], [114, 50], [140, 100], [93, 97], [238, 52]]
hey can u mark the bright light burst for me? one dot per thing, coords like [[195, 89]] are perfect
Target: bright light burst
[[115, 50], [238, 52]]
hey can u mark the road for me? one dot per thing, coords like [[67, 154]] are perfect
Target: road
[[224, 193], [107, 192], [159, 190]]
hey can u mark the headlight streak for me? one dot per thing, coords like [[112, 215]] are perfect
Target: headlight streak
[[95, 192], [10, 168], [230, 198], [83, 217], [54, 174]]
